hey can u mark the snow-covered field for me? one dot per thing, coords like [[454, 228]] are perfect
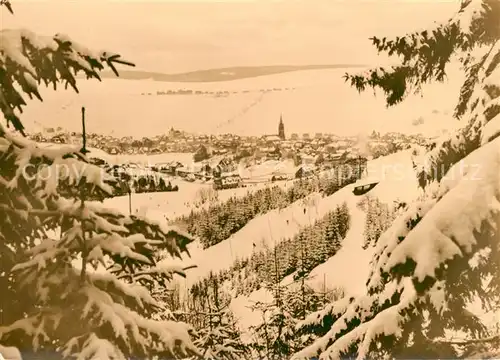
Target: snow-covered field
[[266, 169], [142, 159], [310, 101], [184, 158], [170, 205]]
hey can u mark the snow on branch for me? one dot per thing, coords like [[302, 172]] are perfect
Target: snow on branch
[[159, 337], [7, 4], [391, 239], [469, 196], [100, 307], [28, 60], [93, 348], [330, 312], [132, 244], [51, 173], [434, 244], [480, 103], [425, 54], [10, 353], [44, 266]]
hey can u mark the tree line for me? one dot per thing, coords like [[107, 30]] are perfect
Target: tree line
[[221, 220], [206, 307], [298, 256], [379, 216]]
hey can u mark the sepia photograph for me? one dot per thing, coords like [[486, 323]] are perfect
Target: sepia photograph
[[249, 179]]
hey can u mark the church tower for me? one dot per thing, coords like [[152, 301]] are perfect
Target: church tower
[[281, 128]]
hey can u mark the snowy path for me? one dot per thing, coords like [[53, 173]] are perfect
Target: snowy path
[[349, 267]]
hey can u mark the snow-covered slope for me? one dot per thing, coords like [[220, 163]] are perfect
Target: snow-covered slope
[[276, 225], [349, 267], [269, 229], [397, 183], [397, 178], [350, 258], [170, 205]]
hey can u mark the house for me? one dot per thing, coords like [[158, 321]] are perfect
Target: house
[[169, 167], [271, 138], [190, 177], [304, 171], [362, 186], [274, 154], [97, 161], [202, 170], [227, 181], [59, 139], [205, 167], [183, 171], [284, 171], [307, 159], [223, 166]]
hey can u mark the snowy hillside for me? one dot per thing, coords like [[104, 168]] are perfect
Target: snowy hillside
[[170, 205], [267, 229], [276, 225], [397, 182], [393, 186], [351, 257]]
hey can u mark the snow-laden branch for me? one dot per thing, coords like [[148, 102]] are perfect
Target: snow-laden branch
[[28, 60], [468, 198], [426, 54], [483, 103]]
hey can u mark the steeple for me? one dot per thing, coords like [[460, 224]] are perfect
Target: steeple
[[281, 128]]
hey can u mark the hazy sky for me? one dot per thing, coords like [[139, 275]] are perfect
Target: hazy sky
[[175, 36]]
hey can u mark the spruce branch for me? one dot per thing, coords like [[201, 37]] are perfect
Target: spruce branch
[[466, 342]]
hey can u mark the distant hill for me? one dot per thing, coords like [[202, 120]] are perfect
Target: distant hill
[[222, 74]]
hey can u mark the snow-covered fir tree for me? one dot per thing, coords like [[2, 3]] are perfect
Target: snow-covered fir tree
[[206, 308], [379, 217], [219, 338], [74, 275], [443, 252], [276, 337]]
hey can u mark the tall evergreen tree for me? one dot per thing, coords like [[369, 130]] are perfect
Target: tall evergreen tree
[[53, 239], [219, 338], [435, 258]]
